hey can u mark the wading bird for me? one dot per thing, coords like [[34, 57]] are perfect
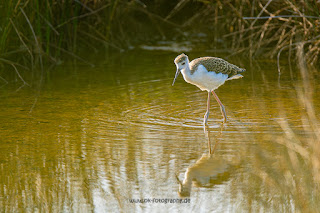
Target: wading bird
[[207, 73]]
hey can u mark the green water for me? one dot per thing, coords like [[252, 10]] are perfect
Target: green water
[[100, 136]]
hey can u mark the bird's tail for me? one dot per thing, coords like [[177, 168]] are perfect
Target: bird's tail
[[237, 76]]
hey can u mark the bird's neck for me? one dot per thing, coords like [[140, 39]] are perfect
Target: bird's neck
[[186, 71]]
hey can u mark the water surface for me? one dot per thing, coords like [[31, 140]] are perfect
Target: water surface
[[98, 137]]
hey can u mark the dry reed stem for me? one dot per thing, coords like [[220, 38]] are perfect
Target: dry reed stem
[[289, 27], [3, 79], [295, 8], [13, 64], [177, 8], [38, 48], [24, 44], [267, 4], [82, 16]]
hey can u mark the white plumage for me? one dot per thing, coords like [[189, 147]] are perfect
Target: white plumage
[[207, 73], [203, 79]]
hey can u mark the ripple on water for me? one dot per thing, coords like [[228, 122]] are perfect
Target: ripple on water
[[156, 104], [163, 115]]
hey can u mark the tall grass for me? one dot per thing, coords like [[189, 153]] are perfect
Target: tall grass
[[45, 28], [35, 32], [268, 27]]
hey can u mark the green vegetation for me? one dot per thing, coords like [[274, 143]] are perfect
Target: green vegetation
[[269, 27], [34, 32]]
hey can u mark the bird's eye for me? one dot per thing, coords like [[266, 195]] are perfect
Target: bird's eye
[[183, 63]]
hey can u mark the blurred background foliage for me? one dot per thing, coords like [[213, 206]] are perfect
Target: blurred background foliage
[[34, 32]]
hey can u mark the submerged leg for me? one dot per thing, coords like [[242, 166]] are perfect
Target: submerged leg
[[207, 131], [206, 116], [221, 106]]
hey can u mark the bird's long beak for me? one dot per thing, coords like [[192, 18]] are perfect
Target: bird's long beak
[[175, 77]]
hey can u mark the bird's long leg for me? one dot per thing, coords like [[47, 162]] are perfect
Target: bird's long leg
[[206, 116], [207, 130], [221, 106]]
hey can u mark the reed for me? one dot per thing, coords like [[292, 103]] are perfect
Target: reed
[[294, 171], [269, 27], [37, 32]]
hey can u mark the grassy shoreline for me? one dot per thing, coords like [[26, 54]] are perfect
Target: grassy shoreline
[[36, 32]]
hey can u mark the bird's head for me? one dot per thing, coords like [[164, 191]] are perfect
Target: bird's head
[[181, 62]]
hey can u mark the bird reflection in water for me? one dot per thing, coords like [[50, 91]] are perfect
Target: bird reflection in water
[[208, 171]]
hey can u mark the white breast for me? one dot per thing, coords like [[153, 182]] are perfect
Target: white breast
[[203, 79]]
